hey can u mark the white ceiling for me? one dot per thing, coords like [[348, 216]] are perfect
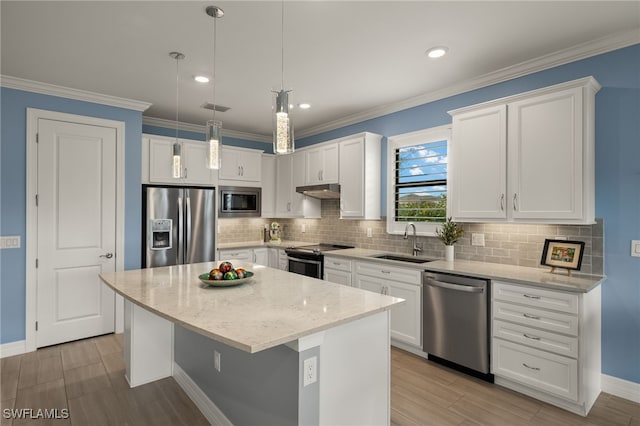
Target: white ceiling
[[344, 58]]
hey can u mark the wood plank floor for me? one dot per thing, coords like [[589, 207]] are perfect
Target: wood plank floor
[[87, 378]]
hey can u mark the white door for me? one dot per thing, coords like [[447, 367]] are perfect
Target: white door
[[76, 230]]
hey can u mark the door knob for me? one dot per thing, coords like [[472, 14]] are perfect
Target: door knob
[[108, 255]]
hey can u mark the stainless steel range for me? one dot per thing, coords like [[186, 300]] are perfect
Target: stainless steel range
[[309, 260]]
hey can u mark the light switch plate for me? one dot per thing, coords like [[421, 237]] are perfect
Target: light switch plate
[[635, 248], [10, 242], [477, 239]]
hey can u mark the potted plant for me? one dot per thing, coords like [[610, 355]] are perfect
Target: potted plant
[[449, 233]]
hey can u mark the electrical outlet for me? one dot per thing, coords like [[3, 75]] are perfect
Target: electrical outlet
[[477, 240], [304, 228], [310, 374], [369, 233], [635, 248], [216, 360]]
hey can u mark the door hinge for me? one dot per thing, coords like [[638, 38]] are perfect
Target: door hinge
[[36, 325], [36, 200], [36, 263]]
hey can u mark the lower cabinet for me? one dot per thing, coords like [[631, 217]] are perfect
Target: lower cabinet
[[546, 343], [261, 256], [338, 270], [405, 283]]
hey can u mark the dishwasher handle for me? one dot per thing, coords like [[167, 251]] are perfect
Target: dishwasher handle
[[456, 287]]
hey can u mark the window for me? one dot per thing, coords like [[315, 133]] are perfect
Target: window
[[417, 180]]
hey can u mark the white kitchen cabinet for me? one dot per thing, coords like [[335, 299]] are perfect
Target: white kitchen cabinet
[[322, 164], [268, 186], [405, 283], [283, 261], [526, 158], [289, 174], [261, 256], [240, 164], [546, 344], [359, 176], [157, 159], [236, 254], [273, 258], [338, 270]]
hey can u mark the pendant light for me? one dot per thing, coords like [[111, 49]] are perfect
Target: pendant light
[[283, 141], [177, 157], [214, 127]]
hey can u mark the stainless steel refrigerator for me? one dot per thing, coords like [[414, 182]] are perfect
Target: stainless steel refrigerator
[[178, 225]]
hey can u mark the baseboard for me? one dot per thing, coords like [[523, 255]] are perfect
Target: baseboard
[[621, 388], [208, 409], [13, 348]]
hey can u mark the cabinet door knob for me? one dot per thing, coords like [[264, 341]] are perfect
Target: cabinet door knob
[[107, 255], [502, 202], [515, 201]]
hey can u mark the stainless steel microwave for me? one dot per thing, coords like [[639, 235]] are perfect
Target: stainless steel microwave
[[238, 201]]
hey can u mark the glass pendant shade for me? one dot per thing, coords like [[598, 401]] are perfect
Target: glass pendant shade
[[177, 164], [213, 134], [283, 141]]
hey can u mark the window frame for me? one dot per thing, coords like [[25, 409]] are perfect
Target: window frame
[[420, 137]]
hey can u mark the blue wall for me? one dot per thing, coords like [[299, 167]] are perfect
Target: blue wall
[[617, 183], [617, 180], [13, 162]]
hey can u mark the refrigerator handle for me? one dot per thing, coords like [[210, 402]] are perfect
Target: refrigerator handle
[[187, 236], [180, 259]]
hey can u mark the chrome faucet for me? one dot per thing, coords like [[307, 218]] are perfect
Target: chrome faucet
[[417, 248]]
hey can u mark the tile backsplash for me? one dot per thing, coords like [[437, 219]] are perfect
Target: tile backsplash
[[514, 244]]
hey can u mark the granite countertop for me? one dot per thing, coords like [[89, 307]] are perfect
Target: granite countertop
[[538, 277], [274, 308]]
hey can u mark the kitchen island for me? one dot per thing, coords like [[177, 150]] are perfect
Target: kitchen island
[[280, 349]]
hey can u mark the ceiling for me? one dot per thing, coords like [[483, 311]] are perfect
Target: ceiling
[[349, 60]]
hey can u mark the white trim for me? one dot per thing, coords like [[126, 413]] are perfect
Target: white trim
[[13, 348], [31, 240], [621, 388], [565, 56], [11, 82], [199, 128], [207, 407]]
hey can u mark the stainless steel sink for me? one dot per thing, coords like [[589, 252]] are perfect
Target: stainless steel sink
[[401, 258]]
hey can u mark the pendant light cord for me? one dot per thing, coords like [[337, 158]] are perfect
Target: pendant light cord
[[215, 82], [177, 91], [282, 46]]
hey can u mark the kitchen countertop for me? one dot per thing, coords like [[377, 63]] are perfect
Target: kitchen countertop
[[578, 283], [274, 308], [494, 271], [253, 244]]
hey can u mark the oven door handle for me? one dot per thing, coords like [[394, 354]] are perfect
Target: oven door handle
[[456, 287], [311, 262]]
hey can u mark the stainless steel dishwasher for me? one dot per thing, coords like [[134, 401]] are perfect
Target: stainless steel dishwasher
[[455, 320]]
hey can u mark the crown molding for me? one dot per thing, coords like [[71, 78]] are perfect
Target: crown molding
[[561, 57], [199, 128], [11, 82]]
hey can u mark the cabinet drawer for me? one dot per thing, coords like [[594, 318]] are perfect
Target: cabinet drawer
[[378, 270], [536, 297], [237, 255], [547, 372], [547, 320], [337, 276], [337, 263], [552, 342]]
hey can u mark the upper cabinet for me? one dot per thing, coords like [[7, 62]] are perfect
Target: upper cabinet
[[157, 162], [240, 164], [360, 176], [290, 170], [322, 164], [526, 158], [268, 185]]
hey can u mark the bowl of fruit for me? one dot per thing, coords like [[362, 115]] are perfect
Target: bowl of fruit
[[225, 275]]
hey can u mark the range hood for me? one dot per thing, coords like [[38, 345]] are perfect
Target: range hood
[[327, 191]]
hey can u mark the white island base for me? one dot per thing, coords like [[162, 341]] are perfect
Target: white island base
[[267, 387]]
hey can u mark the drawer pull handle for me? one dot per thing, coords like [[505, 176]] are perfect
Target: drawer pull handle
[[528, 296], [531, 316], [531, 368], [385, 272], [531, 337]]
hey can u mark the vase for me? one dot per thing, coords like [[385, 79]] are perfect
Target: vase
[[448, 253]]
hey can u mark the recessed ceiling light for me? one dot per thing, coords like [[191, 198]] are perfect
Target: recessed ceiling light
[[437, 52], [201, 79], [304, 106]]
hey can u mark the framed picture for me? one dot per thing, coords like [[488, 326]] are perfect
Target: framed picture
[[562, 254]]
